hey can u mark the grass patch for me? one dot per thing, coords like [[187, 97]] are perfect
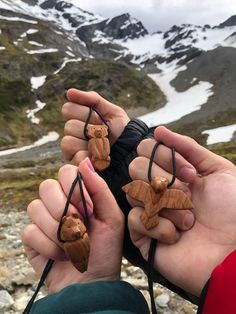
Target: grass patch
[[19, 188], [226, 150]]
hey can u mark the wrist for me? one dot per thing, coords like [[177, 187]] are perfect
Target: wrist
[[93, 277]]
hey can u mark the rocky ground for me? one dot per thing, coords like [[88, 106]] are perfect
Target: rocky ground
[[17, 279]]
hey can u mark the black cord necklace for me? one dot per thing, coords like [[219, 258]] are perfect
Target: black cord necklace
[[50, 262], [78, 180], [91, 109], [153, 244]]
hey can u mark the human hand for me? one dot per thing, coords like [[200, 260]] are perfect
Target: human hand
[[105, 232], [74, 146], [170, 221], [188, 263]]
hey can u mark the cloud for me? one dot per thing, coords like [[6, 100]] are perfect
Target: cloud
[[194, 11], [162, 14]]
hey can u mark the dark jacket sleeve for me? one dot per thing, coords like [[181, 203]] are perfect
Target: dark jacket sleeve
[[117, 175], [110, 297], [219, 293]]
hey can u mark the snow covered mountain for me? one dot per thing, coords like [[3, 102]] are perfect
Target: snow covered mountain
[[193, 65], [181, 43]]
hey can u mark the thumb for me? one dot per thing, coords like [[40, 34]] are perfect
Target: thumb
[[201, 158], [105, 205]]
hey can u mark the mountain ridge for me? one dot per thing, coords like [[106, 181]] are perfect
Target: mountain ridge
[[70, 35]]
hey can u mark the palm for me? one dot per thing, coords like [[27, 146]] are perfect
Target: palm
[[62, 275], [104, 260], [212, 237]]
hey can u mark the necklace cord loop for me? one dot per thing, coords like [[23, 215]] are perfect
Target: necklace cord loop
[[153, 243], [91, 109], [50, 261]]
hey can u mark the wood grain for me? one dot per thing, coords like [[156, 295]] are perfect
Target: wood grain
[[76, 245], [155, 197], [99, 146]]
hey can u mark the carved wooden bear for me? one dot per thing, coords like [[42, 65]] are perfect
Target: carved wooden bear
[[76, 241], [99, 146]]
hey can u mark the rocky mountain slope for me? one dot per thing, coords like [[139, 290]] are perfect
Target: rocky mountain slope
[[40, 61], [48, 46]]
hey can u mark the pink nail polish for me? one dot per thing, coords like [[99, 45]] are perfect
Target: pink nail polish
[[90, 165], [81, 209]]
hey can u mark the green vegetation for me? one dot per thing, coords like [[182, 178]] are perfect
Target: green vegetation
[[117, 82], [19, 179], [114, 81], [227, 150], [18, 188]]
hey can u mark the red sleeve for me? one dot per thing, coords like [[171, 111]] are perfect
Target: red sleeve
[[221, 293]]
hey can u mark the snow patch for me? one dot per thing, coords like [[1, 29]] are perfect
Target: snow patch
[[37, 81], [146, 45], [178, 104], [101, 37], [65, 63], [49, 50], [219, 135], [69, 53], [31, 113], [29, 31], [35, 43], [17, 19], [50, 137], [230, 41]]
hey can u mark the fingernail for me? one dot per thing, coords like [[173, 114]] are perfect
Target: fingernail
[[188, 220], [82, 211], [90, 165]]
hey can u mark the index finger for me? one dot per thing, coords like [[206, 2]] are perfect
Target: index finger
[[105, 205], [163, 157], [92, 99], [201, 158], [75, 111]]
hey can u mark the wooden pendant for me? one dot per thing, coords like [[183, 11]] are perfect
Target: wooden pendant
[[76, 245], [156, 196], [99, 146]]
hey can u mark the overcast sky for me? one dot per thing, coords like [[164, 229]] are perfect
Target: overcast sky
[[162, 14]]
